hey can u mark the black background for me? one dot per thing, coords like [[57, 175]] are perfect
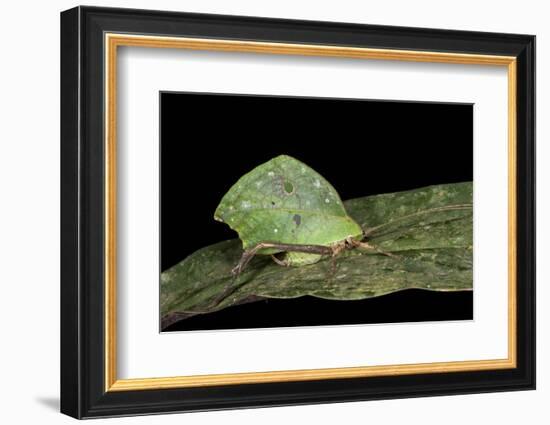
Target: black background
[[362, 147]]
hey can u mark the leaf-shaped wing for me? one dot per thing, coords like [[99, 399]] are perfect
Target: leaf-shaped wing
[[285, 201]]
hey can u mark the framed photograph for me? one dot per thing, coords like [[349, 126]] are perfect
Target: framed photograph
[[261, 212]]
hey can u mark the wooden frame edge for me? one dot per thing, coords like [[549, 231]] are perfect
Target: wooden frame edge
[[306, 375]]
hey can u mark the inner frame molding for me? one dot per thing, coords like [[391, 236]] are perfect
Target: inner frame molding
[[111, 43]]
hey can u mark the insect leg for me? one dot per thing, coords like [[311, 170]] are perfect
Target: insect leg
[[366, 245], [336, 249], [250, 253], [307, 249], [236, 271], [280, 262]]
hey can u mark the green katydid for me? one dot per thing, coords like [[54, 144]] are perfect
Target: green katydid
[[285, 209]]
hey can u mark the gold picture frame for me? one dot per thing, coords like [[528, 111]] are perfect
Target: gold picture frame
[[114, 41]]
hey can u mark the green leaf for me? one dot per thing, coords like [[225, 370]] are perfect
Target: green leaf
[[285, 201], [428, 229]]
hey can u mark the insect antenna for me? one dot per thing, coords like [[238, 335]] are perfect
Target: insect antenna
[[369, 231]]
